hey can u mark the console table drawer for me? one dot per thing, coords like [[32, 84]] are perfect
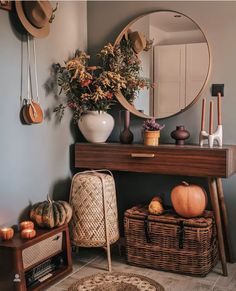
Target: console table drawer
[[164, 159]]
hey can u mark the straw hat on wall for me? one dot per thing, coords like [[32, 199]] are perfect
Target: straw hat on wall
[[35, 16], [138, 41]]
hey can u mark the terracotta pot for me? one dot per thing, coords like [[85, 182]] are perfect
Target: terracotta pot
[[151, 138], [96, 126]]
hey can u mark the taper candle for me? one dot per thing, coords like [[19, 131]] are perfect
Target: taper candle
[[203, 114], [211, 118], [219, 108], [6, 233]]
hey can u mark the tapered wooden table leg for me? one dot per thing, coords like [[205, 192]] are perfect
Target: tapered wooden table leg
[[216, 209], [224, 217]]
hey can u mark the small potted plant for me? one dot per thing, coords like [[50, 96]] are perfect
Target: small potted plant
[[151, 133]]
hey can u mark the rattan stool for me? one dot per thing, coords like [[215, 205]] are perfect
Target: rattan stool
[[94, 221]]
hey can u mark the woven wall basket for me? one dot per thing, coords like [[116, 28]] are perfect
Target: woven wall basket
[[93, 200]]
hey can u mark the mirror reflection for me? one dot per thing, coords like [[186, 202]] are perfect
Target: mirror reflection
[[176, 61]]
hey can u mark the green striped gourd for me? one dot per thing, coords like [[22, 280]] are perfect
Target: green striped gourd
[[51, 213]]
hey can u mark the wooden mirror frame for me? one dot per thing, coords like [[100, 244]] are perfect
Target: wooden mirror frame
[[120, 97]]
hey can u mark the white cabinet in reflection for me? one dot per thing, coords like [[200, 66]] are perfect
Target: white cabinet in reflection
[[179, 71]]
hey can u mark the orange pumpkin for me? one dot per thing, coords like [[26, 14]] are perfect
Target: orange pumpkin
[[26, 225], [28, 233], [155, 206], [188, 200], [6, 233]]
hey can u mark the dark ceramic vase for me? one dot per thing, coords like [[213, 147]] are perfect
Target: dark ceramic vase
[[126, 136], [180, 135]]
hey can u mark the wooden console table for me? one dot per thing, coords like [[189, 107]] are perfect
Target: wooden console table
[[190, 160]]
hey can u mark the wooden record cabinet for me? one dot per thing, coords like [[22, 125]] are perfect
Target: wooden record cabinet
[[37, 263]]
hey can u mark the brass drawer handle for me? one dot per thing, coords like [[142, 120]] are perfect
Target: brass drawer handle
[[140, 155]]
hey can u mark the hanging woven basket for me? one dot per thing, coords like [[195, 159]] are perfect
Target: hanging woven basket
[[93, 200]]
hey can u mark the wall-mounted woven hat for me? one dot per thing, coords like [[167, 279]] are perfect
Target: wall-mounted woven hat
[[35, 16], [138, 41]]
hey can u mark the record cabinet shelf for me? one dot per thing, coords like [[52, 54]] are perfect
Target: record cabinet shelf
[[23, 260]]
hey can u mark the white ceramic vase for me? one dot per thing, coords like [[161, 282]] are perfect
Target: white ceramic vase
[[96, 126]]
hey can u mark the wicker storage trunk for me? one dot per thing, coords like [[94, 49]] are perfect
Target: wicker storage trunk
[[171, 243]]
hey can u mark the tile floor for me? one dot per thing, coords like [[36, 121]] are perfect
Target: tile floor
[[90, 261]]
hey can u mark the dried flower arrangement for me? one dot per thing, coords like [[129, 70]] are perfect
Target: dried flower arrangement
[[89, 88], [122, 60], [152, 125], [86, 88]]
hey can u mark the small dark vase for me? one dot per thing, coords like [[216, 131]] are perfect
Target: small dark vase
[[180, 134], [126, 136]]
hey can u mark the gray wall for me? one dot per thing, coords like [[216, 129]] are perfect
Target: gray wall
[[217, 19], [35, 159]]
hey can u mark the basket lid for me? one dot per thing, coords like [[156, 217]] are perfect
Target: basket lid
[[169, 216]]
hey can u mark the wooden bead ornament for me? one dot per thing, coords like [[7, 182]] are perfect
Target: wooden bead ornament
[[6, 233], [28, 233], [26, 225]]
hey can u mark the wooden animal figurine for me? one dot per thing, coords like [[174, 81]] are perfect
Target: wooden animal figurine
[[218, 134]]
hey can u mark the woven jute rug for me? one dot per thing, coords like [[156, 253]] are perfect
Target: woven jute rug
[[116, 281]]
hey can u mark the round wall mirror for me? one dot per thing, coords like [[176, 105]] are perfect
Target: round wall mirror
[[176, 59]]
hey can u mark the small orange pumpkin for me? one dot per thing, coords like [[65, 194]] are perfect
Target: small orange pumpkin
[[188, 200], [6, 233], [26, 225], [28, 233], [155, 206]]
